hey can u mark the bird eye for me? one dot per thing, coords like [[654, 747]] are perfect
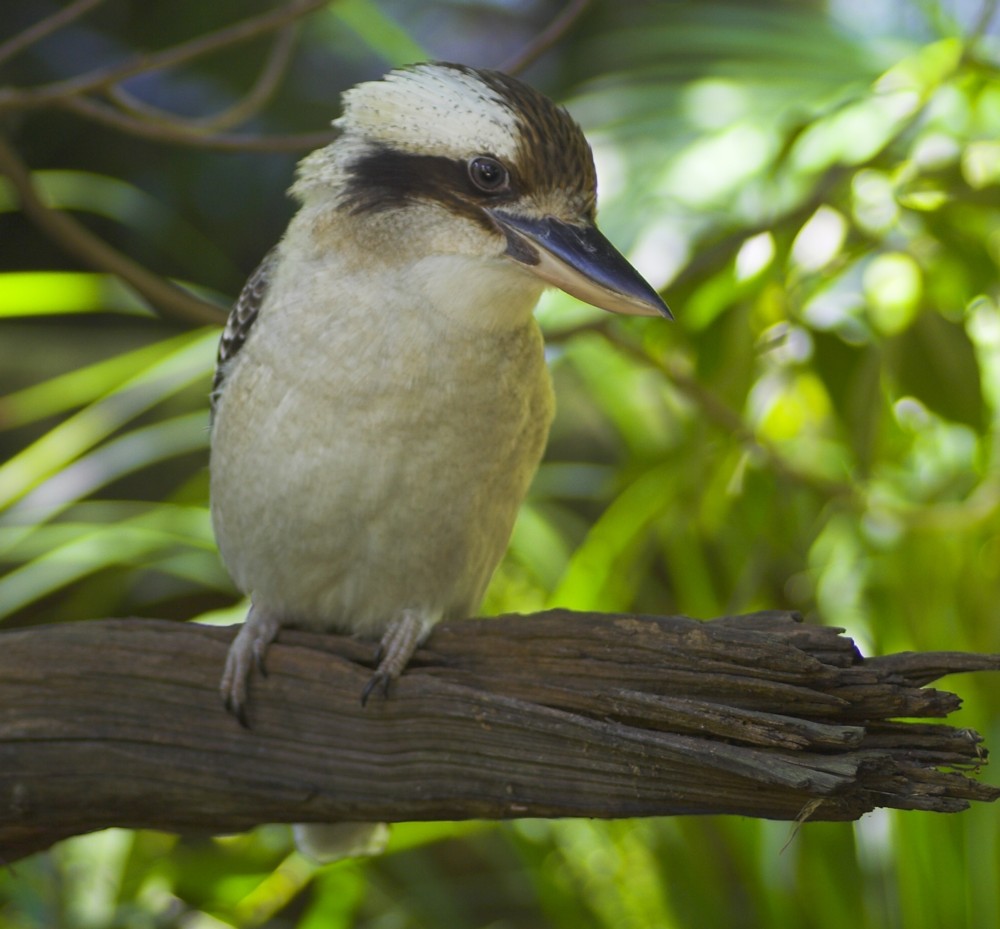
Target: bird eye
[[488, 174]]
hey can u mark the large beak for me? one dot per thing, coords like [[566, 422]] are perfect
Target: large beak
[[580, 261]]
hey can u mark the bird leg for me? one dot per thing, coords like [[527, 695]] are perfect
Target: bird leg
[[398, 644], [247, 651]]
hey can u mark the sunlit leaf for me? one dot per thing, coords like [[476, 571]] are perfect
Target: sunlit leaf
[[46, 293], [981, 164], [112, 460], [75, 388], [893, 286], [93, 551], [594, 578], [182, 362]]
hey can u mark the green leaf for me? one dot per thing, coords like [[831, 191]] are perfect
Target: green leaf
[[935, 361], [75, 389], [594, 579], [49, 293], [184, 360], [852, 375], [107, 547]]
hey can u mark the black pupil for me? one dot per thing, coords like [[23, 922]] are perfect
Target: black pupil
[[487, 173]]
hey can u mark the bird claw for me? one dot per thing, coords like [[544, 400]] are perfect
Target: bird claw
[[237, 708], [376, 681], [247, 652], [400, 641]]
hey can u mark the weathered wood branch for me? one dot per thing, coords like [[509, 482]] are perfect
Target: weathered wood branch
[[118, 722]]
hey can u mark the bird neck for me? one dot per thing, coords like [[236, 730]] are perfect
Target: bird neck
[[474, 293], [421, 261]]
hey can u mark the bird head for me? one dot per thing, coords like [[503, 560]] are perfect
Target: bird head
[[476, 163]]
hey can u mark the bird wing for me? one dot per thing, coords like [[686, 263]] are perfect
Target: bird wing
[[241, 319]]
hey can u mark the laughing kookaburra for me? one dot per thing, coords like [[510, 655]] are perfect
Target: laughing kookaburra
[[381, 400]]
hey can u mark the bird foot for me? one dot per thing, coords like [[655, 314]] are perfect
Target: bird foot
[[395, 651], [246, 653]]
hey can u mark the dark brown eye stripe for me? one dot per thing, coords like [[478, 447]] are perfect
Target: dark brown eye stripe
[[386, 179]]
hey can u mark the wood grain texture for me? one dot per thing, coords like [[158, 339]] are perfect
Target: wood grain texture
[[118, 722]]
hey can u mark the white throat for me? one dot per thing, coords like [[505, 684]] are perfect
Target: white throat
[[488, 294]]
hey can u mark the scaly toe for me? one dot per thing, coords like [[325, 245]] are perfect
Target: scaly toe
[[398, 644], [246, 652]]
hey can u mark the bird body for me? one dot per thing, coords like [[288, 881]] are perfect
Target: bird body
[[374, 458], [381, 399]]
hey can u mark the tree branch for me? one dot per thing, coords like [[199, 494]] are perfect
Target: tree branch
[[103, 78], [192, 135], [45, 27], [260, 93], [118, 722], [80, 242], [548, 37]]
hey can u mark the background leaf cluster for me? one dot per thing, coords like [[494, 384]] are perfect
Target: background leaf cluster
[[817, 189]]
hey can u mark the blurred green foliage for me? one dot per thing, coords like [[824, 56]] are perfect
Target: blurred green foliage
[[819, 199]]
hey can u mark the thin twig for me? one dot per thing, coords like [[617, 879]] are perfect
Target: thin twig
[[102, 78], [178, 134], [263, 89], [546, 38], [45, 27], [168, 299], [980, 26]]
